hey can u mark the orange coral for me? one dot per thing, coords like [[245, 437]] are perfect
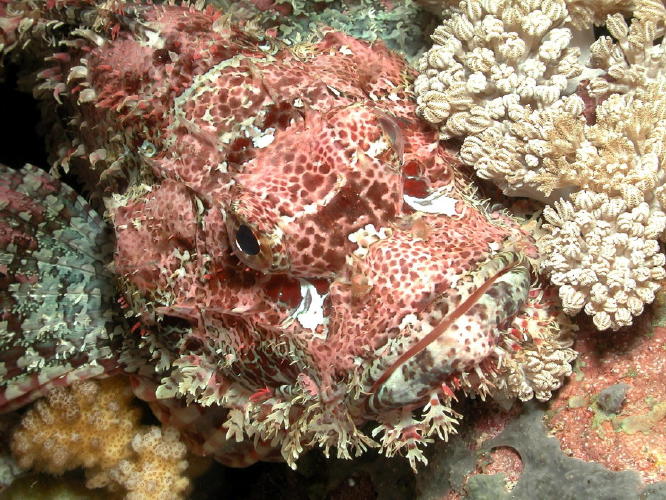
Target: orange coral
[[94, 425], [157, 470]]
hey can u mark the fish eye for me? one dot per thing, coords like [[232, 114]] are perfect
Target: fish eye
[[246, 241], [254, 238]]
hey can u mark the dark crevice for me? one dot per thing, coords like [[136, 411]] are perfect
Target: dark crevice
[[20, 141]]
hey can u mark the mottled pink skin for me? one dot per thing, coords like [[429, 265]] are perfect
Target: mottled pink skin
[[304, 147]]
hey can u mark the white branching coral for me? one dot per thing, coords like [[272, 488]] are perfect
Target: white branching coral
[[583, 13], [488, 50], [622, 154], [601, 247], [596, 11], [634, 60], [511, 153], [497, 73], [576, 125], [604, 256]]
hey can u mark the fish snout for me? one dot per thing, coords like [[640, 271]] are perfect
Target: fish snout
[[455, 334]]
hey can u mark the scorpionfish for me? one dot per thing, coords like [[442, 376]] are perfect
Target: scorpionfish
[[293, 252]]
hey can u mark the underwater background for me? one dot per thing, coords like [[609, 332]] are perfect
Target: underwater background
[[591, 133]]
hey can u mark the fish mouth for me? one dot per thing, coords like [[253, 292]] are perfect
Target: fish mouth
[[455, 333]]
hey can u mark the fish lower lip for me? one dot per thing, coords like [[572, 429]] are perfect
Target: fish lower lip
[[412, 374]]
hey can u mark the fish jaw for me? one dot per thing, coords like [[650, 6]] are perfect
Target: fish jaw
[[454, 335]]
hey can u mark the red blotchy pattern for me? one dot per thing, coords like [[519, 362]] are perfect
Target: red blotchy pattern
[[264, 241]]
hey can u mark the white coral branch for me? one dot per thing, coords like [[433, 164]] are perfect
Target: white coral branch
[[603, 255]]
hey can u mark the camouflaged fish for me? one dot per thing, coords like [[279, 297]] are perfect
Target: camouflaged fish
[[293, 252]]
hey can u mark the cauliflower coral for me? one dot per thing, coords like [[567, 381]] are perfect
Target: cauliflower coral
[[496, 71], [93, 424], [546, 113]]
